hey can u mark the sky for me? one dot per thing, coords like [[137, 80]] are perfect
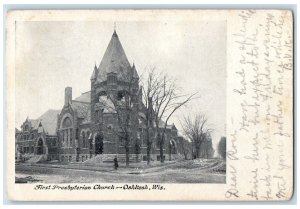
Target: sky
[[53, 55]]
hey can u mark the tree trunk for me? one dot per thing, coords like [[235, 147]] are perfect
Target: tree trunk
[[170, 152], [127, 149], [148, 146], [197, 148], [161, 153], [192, 153], [137, 151], [148, 153], [185, 152], [161, 148]]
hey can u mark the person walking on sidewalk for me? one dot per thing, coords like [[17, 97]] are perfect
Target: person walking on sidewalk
[[116, 165]]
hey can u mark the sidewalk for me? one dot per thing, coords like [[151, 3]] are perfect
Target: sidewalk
[[137, 168], [134, 168]]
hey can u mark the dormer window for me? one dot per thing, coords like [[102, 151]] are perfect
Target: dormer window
[[102, 97], [102, 93], [40, 128], [99, 114], [112, 78], [120, 95]]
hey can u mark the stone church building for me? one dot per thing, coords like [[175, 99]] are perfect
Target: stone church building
[[88, 126]]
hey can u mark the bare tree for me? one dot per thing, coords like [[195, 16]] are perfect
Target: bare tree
[[163, 98], [150, 88], [137, 149], [186, 148], [222, 147], [206, 149], [125, 106], [196, 129]]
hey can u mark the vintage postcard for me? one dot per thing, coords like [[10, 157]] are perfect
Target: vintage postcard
[[173, 105]]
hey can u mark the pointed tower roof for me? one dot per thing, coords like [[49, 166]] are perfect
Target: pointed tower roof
[[114, 60], [95, 73], [135, 74]]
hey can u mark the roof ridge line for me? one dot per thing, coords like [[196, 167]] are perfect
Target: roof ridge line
[[80, 102], [86, 92]]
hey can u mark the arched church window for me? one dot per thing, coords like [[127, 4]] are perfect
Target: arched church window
[[63, 137], [66, 133], [83, 140], [77, 133], [66, 130], [67, 123], [71, 138], [96, 115], [100, 115], [120, 95], [89, 139]]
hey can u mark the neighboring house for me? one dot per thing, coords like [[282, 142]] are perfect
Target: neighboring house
[[39, 137], [88, 125], [18, 155]]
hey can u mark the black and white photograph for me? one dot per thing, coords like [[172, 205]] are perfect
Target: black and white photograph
[[120, 101], [149, 105]]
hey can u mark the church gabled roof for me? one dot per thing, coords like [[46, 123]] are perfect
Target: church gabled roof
[[84, 97], [114, 60], [33, 122], [82, 108], [48, 121]]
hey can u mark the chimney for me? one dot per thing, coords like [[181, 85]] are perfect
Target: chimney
[[68, 95]]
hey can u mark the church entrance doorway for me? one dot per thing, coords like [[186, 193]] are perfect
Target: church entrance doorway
[[99, 144], [40, 147]]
